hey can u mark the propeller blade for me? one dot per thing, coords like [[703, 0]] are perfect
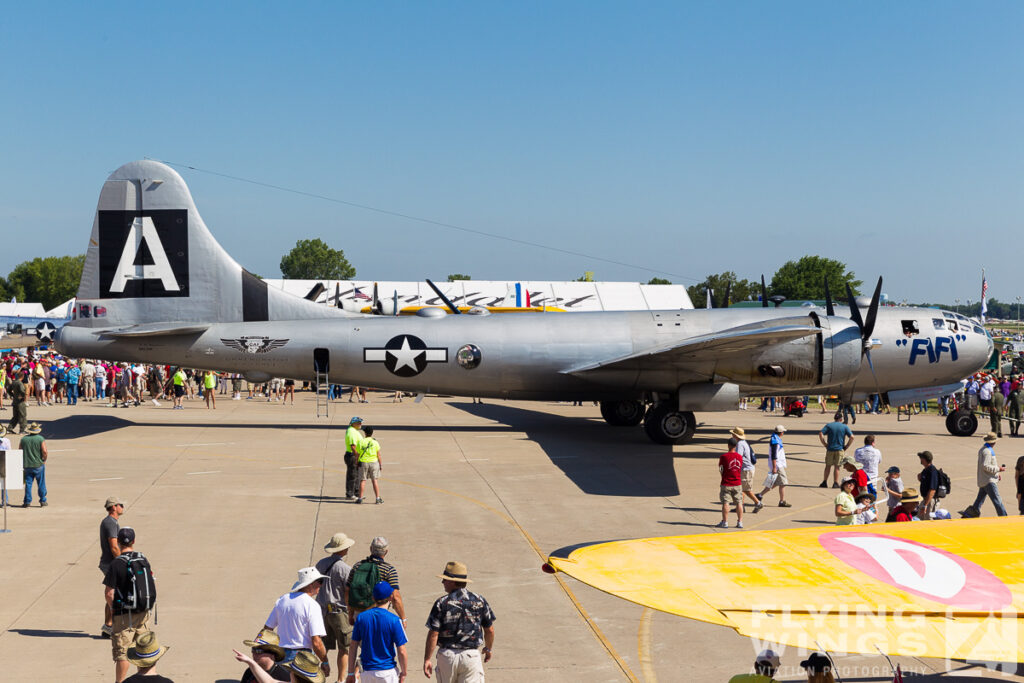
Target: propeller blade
[[449, 304], [830, 308], [854, 311], [869, 324], [396, 303], [725, 299], [375, 302], [764, 294]]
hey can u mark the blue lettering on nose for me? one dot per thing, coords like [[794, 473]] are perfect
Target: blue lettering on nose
[[945, 344], [921, 347]]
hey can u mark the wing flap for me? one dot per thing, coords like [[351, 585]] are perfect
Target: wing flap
[[712, 346]]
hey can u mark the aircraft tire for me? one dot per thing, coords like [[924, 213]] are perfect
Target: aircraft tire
[[962, 423], [622, 413], [665, 424]]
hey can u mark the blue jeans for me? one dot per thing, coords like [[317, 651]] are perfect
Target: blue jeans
[[990, 490], [73, 394], [39, 474]]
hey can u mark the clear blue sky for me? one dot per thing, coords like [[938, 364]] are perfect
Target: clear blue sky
[[688, 138]]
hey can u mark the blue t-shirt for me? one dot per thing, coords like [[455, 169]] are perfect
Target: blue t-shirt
[[379, 632], [835, 435]]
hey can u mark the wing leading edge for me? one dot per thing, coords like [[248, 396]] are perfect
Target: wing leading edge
[[952, 589]]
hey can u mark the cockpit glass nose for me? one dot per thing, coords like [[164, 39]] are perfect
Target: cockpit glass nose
[[979, 330]]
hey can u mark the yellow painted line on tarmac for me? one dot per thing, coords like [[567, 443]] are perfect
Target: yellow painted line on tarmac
[[643, 646], [536, 548]]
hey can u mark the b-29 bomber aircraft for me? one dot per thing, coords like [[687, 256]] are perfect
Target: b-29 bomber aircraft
[[157, 287]]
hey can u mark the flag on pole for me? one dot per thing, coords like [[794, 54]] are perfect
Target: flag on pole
[[898, 677], [984, 291]]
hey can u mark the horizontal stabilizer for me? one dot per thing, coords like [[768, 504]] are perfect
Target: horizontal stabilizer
[[712, 346], [155, 330]]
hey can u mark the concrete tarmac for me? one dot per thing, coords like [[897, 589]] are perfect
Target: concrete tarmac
[[229, 503]]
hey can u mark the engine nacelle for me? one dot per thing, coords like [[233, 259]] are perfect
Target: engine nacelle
[[826, 359]]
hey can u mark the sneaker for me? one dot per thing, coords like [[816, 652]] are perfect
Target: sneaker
[[379, 501], [739, 525], [785, 504], [757, 508], [43, 503], [823, 484], [758, 496], [155, 402], [359, 501], [106, 631], [722, 525], [835, 484], [349, 496]]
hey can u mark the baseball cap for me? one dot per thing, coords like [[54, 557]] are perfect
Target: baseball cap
[[126, 535], [768, 657], [893, 469], [382, 590]]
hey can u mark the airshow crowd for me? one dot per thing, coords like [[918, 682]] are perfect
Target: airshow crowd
[[357, 609]]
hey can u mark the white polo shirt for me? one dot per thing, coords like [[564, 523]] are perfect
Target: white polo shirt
[[297, 618]]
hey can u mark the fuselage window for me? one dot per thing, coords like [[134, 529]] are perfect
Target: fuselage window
[[979, 330], [939, 323], [910, 328], [953, 326]]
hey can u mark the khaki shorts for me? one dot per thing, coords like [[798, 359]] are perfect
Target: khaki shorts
[[369, 470], [781, 480], [730, 492], [126, 626], [339, 631], [747, 480], [833, 458]]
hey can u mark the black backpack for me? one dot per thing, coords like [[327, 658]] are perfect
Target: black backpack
[[360, 588], [138, 592], [945, 485]]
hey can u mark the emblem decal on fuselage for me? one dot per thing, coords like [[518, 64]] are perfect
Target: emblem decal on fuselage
[[44, 331], [143, 254], [254, 344], [405, 355]]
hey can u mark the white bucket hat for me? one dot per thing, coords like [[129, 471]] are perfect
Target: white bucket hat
[[307, 575]]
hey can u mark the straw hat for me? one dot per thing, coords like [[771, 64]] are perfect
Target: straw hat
[[779, 429], [738, 432], [35, 428], [910, 496], [339, 542], [307, 575], [268, 640], [989, 438], [307, 666], [455, 571], [146, 650]]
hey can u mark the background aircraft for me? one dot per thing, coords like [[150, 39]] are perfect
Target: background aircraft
[[171, 294]]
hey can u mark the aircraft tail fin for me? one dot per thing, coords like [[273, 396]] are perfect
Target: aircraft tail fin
[[151, 259]]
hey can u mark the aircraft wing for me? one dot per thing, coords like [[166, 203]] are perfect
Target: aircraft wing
[[948, 589], [711, 346]]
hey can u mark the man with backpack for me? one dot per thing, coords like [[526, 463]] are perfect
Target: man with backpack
[[131, 594], [365, 575]]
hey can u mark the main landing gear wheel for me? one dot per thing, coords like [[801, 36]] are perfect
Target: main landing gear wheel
[[666, 424], [622, 413], [962, 423]]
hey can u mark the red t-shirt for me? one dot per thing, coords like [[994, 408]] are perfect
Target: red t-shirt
[[861, 478], [730, 466]]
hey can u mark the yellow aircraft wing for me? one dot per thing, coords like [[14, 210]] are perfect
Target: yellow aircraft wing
[[948, 589]]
